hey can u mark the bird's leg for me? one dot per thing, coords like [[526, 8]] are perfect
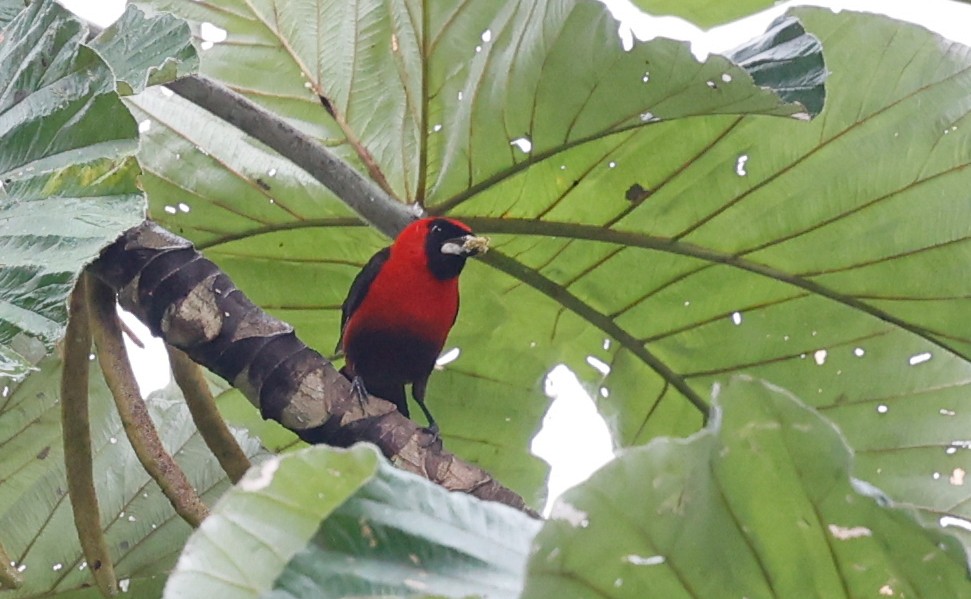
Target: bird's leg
[[418, 392], [432, 425], [359, 391]]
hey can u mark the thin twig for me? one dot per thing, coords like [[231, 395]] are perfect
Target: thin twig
[[202, 406], [131, 335], [138, 424], [76, 428]]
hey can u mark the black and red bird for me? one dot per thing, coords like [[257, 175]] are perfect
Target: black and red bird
[[401, 307]]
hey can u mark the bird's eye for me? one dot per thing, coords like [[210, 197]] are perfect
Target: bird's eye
[[436, 228]]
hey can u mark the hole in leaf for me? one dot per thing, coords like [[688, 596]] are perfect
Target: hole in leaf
[[211, 33], [740, 165], [919, 358], [523, 143]]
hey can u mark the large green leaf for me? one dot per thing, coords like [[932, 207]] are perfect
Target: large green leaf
[[828, 257], [323, 522], [68, 175], [759, 504], [551, 73], [145, 51], [294, 248], [142, 530]]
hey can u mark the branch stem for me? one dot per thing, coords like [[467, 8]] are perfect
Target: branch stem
[[188, 375], [135, 419], [78, 459]]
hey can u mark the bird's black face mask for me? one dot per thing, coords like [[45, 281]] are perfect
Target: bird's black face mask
[[448, 245]]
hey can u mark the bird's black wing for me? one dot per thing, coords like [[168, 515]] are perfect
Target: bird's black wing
[[359, 288]]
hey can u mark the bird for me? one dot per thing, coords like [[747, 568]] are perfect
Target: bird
[[400, 308]]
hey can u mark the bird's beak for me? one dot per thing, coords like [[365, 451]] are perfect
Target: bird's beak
[[467, 245]]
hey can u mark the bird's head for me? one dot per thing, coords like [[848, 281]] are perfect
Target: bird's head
[[446, 244]]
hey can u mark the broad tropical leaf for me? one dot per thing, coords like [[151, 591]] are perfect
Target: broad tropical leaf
[[543, 75], [142, 530], [324, 522], [67, 175], [774, 480], [827, 257], [412, 110], [145, 51]]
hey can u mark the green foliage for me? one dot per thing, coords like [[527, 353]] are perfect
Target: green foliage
[[379, 531], [67, 171], [146, 51], [645, 210], [143, 532], [9, 9], [761, 503]]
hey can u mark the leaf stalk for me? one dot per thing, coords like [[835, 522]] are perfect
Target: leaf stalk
[[78, 459], [135, 419], [212, 427]]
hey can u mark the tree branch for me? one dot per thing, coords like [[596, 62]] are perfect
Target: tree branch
[[138, 424], [78, 460], [185, 299], [205, 415], [361, 194]]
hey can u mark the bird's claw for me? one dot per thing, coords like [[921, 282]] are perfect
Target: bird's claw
[[434, 433]]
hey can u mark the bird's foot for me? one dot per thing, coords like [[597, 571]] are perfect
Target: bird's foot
[[434, 436]]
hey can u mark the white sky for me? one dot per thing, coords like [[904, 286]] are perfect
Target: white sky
[[574, 439]]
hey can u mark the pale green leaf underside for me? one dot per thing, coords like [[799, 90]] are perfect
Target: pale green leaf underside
[[67, 171], [9, 9], [841, 235], [427, 97], [323, 522], [773, 479], [143, 533], [145, 51], [267, 518], [400, 535], [828, 257]]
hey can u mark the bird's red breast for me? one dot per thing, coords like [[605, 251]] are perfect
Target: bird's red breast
[[405, 296]]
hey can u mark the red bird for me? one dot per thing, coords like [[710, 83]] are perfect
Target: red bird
[[401, 307]]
